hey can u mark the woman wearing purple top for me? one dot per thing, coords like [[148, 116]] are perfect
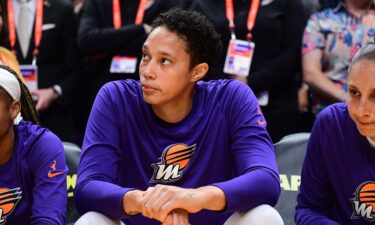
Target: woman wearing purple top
[[338, 176], [171, 149], [32, 161]]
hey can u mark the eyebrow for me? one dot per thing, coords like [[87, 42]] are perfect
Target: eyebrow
[[355, 87], [163, 53]]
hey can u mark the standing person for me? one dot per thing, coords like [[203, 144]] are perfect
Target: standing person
[[338, 176], [275, 27], [170, 145], [42, 33], [32, 160], [331, 39], [111, 34]]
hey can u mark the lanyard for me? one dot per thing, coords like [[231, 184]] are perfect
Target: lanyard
[[37, 28], [250, 19], [117, 13]]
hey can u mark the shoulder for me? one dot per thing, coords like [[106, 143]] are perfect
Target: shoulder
[[121, 88], [122, 92], [226, 94], [232, 88], [36, 140], [332, 122], [334, 114]]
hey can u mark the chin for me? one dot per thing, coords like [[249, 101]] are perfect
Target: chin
[[368, 132], [150, 100]]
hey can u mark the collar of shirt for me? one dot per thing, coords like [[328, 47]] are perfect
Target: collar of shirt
[[16, 6], [372, 142]]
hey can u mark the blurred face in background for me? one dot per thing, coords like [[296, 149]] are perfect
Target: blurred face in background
[[361, 97]]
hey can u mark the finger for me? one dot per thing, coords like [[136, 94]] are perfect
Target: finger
[[176, 218], [167, 208], [168, 220], [39, 105]]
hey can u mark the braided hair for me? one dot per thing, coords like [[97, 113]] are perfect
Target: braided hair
[[28, 110]]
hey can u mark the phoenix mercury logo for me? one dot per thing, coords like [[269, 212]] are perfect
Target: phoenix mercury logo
[[364, 201], [174, 160], [8, 201]]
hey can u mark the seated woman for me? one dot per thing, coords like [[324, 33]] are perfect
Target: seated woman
[[172, 149], [338, 176], [32, 161]]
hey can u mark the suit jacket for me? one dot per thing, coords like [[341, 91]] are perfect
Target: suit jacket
[[58, 56]]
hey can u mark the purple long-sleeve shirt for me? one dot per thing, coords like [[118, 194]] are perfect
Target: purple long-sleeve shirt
[[338, 175], [222, 141], [33, 181]]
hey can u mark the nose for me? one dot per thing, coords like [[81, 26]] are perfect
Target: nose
[[147, 70], [363, 109]]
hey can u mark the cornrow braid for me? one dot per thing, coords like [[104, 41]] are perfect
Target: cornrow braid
[[28, 110]]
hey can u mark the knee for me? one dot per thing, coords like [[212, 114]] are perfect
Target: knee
[[260, 215], [95, 218]]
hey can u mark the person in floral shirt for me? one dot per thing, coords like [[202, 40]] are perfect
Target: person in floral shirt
[[331, 39]]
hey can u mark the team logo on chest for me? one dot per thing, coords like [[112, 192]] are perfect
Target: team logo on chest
[[174, 160], [8, 201], [364, 201]]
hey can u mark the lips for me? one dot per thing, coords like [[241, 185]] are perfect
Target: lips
[[147, 89], [364, 124]]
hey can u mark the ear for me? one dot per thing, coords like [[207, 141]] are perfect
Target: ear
[[199, 71], [15, 108]]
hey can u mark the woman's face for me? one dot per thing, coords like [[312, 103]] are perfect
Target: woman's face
[[361, 97]]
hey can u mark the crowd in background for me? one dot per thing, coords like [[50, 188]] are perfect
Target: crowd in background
[[81, 43]]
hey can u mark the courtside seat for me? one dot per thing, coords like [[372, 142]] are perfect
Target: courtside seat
[[72, 154], [290, 154]]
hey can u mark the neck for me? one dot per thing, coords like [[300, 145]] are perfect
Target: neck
[[175, 111], [6, 146], [358, 8]]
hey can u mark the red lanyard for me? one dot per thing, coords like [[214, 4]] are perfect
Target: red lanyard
[[250, 19], [117, 13], [37, 28]]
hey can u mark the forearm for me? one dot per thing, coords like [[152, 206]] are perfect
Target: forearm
[[100, 196], [260, 186], [321, 84]]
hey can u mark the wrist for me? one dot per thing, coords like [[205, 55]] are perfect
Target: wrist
[[57, 90], [212, 198], [130, 202]]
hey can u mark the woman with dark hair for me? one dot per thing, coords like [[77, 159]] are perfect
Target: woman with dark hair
[[174, 149], [338, 176], [32, 161]]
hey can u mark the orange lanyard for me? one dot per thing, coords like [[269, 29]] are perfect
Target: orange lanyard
[[37, 28], [117, 13], [250, 19]]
